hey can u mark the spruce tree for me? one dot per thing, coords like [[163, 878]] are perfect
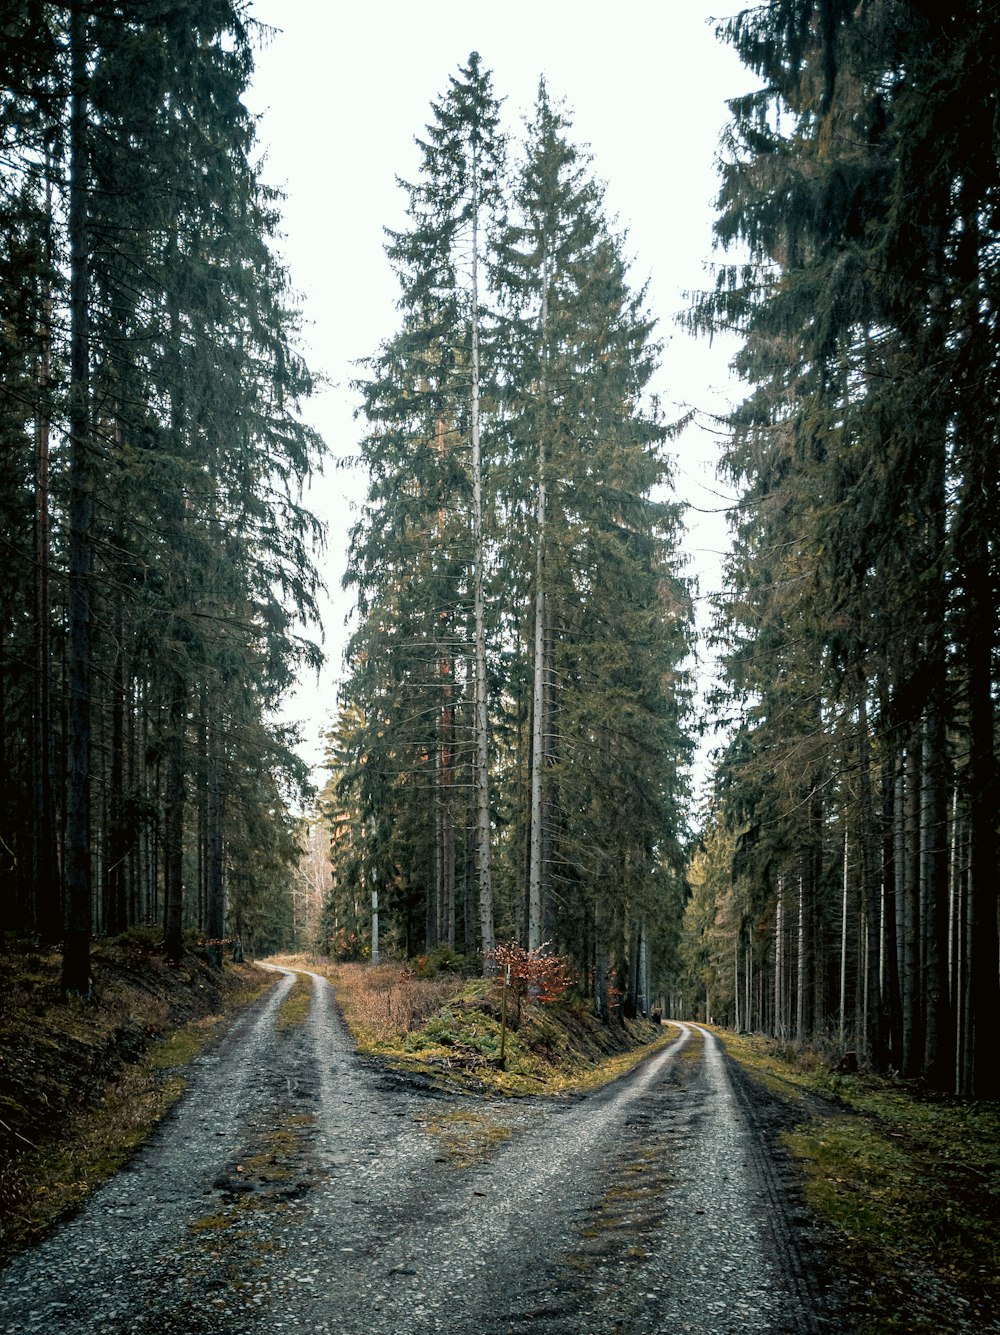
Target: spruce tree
[[610, 611], [418, 556]]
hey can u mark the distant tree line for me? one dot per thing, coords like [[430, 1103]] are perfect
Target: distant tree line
[[510, 750], [849, 883], [157, 557]]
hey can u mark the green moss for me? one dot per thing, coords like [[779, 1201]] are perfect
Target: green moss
[[910, 1181], [466, 1136]]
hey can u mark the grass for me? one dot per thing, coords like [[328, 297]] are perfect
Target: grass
[[909, 1180], [450, 1027], [466, 1137], [294, 1010], [82, 1083]]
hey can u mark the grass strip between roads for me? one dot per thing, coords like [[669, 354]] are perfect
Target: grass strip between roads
[[449, 1027]]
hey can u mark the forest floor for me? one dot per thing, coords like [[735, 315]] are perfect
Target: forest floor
[[301, 1184], [907, 1179]]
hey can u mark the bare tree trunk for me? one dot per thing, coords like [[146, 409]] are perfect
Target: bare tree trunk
[[737, 1023], [600, 963], [843, 943], [938, 1061], [47, 911], [479, 614], [911, 934], [800, 997], [76, 941], [779, 961], [873, 889], [891, 992], [215, 892], [114, 877], [982, 786], [174, 798], [539, 710]]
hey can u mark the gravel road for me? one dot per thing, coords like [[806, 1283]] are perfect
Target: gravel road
[[297, 1187]]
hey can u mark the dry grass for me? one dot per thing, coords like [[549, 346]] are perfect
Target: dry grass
[[382, 1003], [450, 1026]]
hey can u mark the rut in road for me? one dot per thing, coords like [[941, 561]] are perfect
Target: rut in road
[[297, 1187]]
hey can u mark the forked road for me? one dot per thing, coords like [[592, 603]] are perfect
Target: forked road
[[298, 1188]]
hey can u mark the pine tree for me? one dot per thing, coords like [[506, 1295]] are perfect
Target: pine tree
[[567, 516], [610, 609]]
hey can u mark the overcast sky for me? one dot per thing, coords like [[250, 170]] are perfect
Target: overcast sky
[[342, 92]]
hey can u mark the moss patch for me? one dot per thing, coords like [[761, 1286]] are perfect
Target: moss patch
[[466, 1137], [294, 1010]]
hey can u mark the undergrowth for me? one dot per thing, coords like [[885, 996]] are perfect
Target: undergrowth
[[910, 1180], [450, 1027]]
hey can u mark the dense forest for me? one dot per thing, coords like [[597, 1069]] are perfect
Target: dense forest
[[846, 886], [509, 753], [157, 557]]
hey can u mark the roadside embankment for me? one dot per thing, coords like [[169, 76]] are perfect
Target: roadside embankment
[[909, 1179], [82, 1082], [461, 1033]]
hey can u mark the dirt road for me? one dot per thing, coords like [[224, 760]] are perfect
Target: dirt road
[[298, 1188]]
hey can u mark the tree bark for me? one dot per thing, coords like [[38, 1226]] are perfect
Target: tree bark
[[174, 798], [483, 840], [215, 890], [77, 926], [910, 919], [539, 710], [47, 912]]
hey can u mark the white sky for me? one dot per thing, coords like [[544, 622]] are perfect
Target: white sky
[[343, 90]]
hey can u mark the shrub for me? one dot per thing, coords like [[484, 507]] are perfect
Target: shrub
[[445, 959]]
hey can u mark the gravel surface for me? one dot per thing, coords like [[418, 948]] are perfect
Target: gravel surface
[[297, 1187]]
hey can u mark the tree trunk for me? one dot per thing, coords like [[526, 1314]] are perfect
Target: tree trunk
[[779, 961], [76, 944], [982, 786], [174, 801], [539, 709], [910, 934], [843, 943], [600, 964], [800, 994], [115, 907], [479, 614], [938, 1060], [872, 890], [47, 912], [215, 891]]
